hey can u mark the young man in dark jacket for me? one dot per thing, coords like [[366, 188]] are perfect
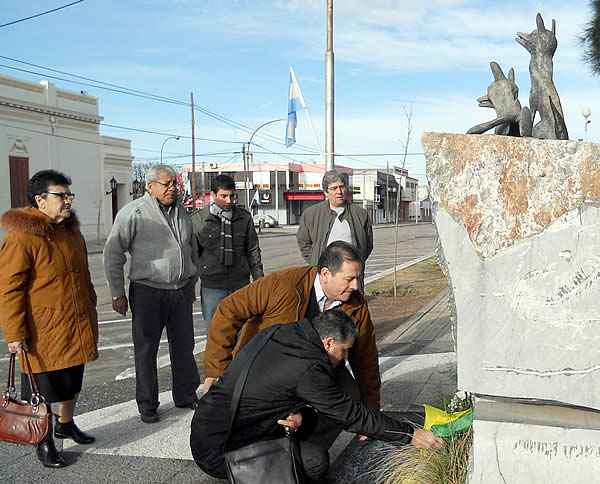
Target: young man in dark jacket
[[290, 385], [228, 249]]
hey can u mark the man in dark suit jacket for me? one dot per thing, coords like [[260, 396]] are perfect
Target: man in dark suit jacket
[[290, 385]]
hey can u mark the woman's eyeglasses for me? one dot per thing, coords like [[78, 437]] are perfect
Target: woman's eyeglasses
[[63, 195]]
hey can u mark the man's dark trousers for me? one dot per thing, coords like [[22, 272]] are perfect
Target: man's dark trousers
[[153, 309]]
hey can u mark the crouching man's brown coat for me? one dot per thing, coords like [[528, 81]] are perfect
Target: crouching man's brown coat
[[283, 297]]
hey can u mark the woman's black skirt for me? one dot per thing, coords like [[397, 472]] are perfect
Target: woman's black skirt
[[55, 386]]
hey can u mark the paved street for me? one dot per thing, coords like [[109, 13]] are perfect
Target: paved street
[[417, 362]]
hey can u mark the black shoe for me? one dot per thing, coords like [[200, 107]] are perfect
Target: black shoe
[[68, 430], [193, 405], [48, 455], [149, 416]]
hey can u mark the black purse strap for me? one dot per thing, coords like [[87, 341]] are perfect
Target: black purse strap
[[239, 386]]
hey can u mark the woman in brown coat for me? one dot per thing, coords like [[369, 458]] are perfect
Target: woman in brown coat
[[48, 302]]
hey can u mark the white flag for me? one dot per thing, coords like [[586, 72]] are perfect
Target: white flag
[[295, 102], [255, 199]]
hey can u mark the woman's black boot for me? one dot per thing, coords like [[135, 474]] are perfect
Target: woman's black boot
[[48, 455], [69, 430]]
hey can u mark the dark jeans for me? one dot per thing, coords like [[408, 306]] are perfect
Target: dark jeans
[[153, 310], [210, 299], [314, 458]]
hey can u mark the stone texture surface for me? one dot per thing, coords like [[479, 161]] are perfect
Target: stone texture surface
[[519, 453], [519, 226], [528, 319], [503, 189]]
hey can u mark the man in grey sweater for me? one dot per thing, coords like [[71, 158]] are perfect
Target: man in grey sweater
[[156, 231]]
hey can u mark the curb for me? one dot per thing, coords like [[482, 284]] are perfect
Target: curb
[[391, 270], [415, 318]]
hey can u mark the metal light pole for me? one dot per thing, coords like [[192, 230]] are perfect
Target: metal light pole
[[163, 145], [586, 112], [329, 120], [247, 156]]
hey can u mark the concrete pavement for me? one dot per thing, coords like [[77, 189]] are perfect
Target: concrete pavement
[[417, 363], [96, 246]]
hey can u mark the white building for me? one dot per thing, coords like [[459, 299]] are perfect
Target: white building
[[409, 203], [43, 127], [377, 191]]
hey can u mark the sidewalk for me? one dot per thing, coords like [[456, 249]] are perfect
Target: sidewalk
[[417, 361]]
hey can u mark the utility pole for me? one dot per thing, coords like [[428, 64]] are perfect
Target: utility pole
[[193, 158], [387, 192], [246, 189], [329, 121]]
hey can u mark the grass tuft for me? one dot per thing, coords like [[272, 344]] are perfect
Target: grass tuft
[[408, 465]]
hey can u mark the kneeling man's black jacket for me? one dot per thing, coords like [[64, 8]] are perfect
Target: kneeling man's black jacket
[[290, 372]]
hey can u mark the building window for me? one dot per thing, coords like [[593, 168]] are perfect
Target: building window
[[19, 176]]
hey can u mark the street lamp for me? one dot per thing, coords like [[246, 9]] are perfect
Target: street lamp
[[113, 185], [586, 112], [135, 188], [163, 145], [247, 156]]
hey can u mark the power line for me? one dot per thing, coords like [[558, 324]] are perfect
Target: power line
[[137, 93], [40, 14]]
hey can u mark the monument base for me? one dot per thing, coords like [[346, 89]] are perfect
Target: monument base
[[516, 441]]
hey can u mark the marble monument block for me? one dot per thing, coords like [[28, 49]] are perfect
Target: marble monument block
[[523, 453], [519, 224]]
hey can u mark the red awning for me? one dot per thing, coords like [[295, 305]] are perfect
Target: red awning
[[305, 195]]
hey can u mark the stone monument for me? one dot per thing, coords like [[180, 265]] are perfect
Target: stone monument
[[519, 225]]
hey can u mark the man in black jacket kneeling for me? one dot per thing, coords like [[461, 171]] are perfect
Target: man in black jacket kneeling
[[290, 383]]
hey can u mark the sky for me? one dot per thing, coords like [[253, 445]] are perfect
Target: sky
[[391, 57]]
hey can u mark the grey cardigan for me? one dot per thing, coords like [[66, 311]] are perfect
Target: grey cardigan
[[316, 223], [158, 259]]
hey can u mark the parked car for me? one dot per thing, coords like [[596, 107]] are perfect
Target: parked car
[[268, 220]]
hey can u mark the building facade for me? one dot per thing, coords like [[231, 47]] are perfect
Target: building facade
[[282, 190], [409, 203], [44, 127], [377, 191]]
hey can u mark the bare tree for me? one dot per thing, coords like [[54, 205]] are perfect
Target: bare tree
[[138, 172], [591, 39], [408, 114]]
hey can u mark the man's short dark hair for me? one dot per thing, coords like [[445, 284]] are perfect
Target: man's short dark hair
[[39, 183], [334, 256], [222, 182], [337, 324]]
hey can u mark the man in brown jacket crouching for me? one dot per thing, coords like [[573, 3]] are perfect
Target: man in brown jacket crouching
[[290, 295]]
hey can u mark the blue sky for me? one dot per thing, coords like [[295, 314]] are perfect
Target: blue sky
[[235, 57]]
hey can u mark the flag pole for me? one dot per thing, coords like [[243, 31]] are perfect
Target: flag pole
[[307, 115]]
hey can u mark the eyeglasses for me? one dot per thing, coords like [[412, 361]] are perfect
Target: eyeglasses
[[341, 188], [170, 184], [63, 195]]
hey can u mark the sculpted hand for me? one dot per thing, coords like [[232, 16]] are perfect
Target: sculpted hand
[[424, 439], [291, 422], [208, 383], [18, 346], [120, 305]]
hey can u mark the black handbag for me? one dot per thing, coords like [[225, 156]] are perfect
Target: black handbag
[[273, 461]]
